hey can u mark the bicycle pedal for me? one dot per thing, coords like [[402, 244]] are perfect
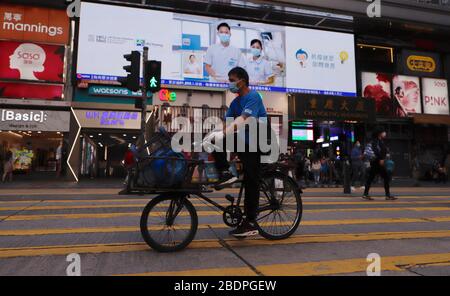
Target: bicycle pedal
[[230, 198]]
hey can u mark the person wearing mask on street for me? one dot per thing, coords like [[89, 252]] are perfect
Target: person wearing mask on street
[[378, 165], [299, 165], [221, 57], [357, 165], [258, 68], [307, 172], [247, 106]]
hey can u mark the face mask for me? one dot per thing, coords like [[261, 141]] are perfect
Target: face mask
[[256, 52], [224, 38], [233, 87]]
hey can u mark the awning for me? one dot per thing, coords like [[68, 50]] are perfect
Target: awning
[[431, 119]]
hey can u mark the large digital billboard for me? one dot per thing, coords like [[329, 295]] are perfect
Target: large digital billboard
[[320, 62], [199, 51]]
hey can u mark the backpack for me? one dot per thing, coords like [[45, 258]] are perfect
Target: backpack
[[368, 152]]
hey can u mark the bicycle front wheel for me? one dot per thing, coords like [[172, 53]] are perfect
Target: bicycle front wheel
[[280, 206], [169, 223]]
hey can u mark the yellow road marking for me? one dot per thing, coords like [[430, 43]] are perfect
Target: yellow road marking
[[316, 268], [228, 271], [204, 213], [114, 229], [141, 205], [218, 199], [391, 263], [197, 244]]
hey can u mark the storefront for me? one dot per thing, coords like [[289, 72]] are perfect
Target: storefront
[[328, 126], [100, 140], [411, 95], [37, 139], [195, 105]]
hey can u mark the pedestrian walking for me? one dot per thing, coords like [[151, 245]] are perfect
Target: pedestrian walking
[[357, 165], [315, 168], [8, 167], [376, 152]]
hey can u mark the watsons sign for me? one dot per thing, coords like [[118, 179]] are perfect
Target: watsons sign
[[114, 91], [34, 120]]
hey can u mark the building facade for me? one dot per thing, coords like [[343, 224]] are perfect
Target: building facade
[[397, 65]]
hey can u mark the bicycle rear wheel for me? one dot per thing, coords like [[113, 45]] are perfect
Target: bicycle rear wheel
[[280, 206], [169, 223]]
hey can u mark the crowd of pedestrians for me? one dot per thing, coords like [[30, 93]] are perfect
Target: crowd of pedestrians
[[366, 164]]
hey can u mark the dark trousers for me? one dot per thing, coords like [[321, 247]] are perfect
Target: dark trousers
[[251, 162], [377, 169], [357, 172]]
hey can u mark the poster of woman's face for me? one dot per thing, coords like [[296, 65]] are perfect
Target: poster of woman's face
[[407, 93]]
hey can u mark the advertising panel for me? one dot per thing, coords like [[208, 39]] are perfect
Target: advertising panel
[[407, 93], [320, 62], [435, 96], [37, 24], [31, 91], [198, 51], [109, 119], [378, 87], [31, 61]]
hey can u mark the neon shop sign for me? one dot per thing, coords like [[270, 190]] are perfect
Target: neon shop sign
[[166, 96]]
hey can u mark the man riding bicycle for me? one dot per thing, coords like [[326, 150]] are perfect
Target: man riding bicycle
[[248, 105]]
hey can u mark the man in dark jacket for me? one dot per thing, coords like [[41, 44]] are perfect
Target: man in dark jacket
[[377, 165]]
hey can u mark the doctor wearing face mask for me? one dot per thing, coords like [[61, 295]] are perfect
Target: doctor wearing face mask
[[258, 68], [222, 57]]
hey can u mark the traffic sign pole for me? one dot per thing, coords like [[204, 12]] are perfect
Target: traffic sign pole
[[144, 95]]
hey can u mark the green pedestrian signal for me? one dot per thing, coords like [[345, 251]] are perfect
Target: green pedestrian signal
[[153, 82], [153, 75]]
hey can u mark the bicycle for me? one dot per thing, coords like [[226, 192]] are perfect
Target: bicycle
[[169, 221]]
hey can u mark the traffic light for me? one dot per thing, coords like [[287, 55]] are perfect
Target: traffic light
[[153, 76], [133, 80]]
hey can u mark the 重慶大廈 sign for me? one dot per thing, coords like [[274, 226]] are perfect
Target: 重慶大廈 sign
[[108, 119], [34, 120], [332, 108]]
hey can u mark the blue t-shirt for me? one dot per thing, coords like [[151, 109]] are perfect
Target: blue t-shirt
[[250, 105]]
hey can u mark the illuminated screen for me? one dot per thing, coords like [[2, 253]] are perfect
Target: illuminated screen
[[193, 54], [302, 135]]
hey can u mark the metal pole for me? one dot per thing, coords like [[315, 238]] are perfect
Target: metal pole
[[144, 94]]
